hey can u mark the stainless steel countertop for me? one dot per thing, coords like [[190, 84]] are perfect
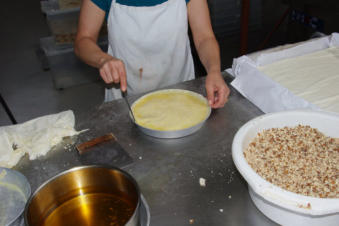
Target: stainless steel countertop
[[168, 170]]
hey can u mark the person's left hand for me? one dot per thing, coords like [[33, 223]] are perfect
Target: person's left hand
[[217, 90]]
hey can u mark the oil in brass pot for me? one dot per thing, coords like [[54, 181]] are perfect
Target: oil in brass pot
[[86, 195]]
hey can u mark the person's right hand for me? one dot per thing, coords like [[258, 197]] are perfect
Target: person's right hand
[[113, 70]]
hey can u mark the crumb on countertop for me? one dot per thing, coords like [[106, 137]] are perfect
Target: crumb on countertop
[[202, 182]]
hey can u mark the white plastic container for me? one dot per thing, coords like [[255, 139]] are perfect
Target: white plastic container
[[282, 206], [62, 19]]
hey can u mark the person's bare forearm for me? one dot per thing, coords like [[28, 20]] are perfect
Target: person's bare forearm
[[209, 54], [208, 51], [86, 48], [88, 51]]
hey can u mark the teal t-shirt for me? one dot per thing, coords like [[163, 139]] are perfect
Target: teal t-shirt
[[106, 4]]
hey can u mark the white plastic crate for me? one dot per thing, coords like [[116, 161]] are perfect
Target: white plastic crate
[[62, 23], [66, 68], [62, 19]]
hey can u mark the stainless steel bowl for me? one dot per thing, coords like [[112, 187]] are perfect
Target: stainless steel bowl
[[172, 133], [86, 195], [14, 192]]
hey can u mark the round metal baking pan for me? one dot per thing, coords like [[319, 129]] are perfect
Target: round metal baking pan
[[172, 133]]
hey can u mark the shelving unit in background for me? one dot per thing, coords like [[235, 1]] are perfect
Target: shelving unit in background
[[226, 16], [56, 51]]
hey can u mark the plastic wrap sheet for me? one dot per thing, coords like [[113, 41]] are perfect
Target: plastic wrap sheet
[[35, 137], [262, 91]]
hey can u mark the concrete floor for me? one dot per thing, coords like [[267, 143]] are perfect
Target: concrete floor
[[29, 90]]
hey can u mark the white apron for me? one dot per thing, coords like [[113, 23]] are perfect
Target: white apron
[[153, 43]]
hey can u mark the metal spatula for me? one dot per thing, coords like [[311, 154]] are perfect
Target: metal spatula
[[124, 95]]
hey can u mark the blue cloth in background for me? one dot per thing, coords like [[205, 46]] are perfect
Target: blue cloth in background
[[106, 4]]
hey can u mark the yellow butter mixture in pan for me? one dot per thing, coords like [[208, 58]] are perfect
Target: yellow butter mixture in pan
[[170, 110]]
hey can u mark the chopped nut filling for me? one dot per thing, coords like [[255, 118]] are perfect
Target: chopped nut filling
[[299, 159]]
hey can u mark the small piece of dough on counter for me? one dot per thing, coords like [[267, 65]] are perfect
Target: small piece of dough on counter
[[35, 137]]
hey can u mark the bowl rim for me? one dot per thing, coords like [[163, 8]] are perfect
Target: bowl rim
[[85, 167], [171, 133], [270, 192]]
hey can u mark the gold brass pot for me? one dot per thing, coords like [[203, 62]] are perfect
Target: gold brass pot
[[86, 195]]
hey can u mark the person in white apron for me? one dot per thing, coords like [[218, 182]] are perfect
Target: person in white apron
[[149, 47]]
